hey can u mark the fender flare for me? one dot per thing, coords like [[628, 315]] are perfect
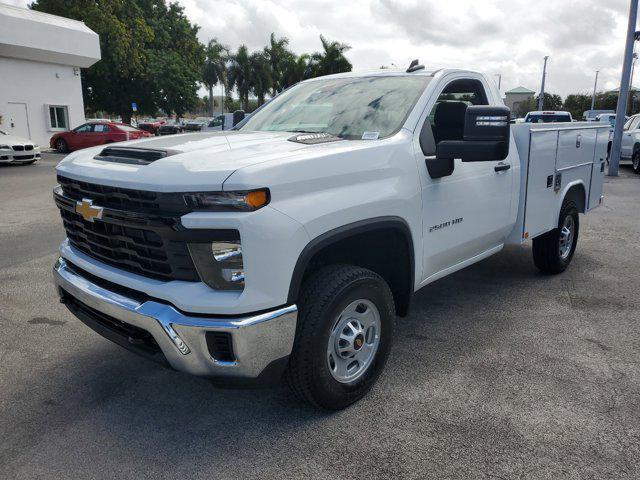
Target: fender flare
[[567, 189], [343, 232]]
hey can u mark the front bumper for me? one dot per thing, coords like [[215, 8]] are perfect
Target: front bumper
[[261, 343], [12, 156]]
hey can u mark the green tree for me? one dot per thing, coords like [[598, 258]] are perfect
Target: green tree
[[214, 70], [240, 75], [551, 101], [331, 59], [577, 104], [261, 80], [150, 54], [278, 56], [295, 69]]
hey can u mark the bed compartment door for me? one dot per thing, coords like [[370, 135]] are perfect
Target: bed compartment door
[[540, 207], [597, 175]]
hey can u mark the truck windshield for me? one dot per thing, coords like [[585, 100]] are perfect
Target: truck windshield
[[345, 107]]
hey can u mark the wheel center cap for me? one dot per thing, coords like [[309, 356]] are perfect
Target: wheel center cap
[[358, 342]]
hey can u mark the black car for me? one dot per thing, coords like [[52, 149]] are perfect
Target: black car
[[170, 129]]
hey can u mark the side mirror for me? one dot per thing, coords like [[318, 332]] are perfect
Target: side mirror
[[486, 136], [238, 116]]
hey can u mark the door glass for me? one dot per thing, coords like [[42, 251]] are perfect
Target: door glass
[[86, 128], [447, 115]]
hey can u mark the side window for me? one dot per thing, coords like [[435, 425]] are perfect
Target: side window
[[634, 123], [447, 115], [86, 128], [216, 122], [58, 115], [101, 128]]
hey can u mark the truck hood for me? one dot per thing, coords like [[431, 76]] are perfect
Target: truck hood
[[198, 161]]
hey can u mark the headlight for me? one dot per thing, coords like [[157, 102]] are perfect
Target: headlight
[[219, 263], [247, 200], [5, 147]]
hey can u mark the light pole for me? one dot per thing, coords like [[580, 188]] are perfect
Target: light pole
[[632, 35], [633, 67], [544, 74], [593, 97]]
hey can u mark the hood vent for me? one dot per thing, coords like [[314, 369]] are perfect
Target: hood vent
[[134, 156]]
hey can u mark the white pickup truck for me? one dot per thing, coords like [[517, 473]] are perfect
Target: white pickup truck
[[288, 246]]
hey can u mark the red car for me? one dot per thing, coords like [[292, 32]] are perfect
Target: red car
[[151, 126], [92, 134]]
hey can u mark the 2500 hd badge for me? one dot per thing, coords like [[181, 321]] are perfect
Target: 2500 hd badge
[[445, 224]]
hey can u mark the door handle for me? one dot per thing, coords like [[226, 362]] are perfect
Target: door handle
[[501, 167]]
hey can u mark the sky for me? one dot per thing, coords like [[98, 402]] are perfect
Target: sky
[[507, 37]]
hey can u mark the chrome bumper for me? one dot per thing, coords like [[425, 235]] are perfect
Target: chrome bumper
[[258, 340]]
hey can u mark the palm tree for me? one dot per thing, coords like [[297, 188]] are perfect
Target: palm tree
[[261, 78], [214, 70], [331, 60], [295, 69], [239, 75], [277, 54]]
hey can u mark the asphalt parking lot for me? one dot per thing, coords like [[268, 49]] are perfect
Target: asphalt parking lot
[[499, 372]]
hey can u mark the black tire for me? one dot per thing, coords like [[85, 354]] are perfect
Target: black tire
[[636, 161], [546, 248], [61, 146], [323, 297]]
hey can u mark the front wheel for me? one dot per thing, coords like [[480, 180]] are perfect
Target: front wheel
[[61, 146], [343, 337], [553, 251], [636, 162]]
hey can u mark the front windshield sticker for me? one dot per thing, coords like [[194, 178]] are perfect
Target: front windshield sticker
[[370, 135]]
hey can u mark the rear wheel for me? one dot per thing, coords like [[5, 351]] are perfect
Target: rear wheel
[[61, 146], [344, 333], [636, 161], [553, 251]]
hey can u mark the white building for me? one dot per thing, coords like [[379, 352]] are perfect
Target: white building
[[40, 60]]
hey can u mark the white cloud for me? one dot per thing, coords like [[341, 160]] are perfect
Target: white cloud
[[510, 37]]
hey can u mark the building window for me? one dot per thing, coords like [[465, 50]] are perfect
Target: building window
[[58, 116]]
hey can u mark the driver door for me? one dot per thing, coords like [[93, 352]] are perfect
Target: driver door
[[466, 214], [81, 137]]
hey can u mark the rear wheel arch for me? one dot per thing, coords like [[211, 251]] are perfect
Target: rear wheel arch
[[383, 245], [578, 194]]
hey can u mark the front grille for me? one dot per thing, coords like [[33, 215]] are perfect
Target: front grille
[[23, 157], [18, 148], [28, 147], [113, 197], [139, 231], [137, 250]]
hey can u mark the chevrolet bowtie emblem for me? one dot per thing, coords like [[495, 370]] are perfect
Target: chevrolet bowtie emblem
[[88, 211]]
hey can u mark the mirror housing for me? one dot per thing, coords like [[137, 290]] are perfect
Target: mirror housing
[[486, 136], [238, 116]]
